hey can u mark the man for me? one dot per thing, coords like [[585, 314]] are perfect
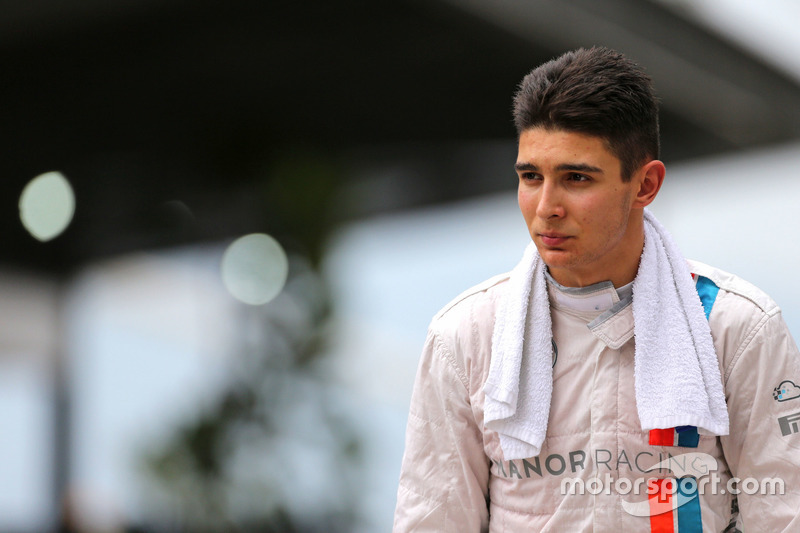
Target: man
[[587, 390]]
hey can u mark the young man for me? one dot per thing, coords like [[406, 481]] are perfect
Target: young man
[[606, 383]]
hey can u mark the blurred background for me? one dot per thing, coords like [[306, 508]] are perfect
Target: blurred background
[[226, 226]]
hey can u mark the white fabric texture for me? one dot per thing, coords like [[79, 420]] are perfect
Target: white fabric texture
[[676, 373]]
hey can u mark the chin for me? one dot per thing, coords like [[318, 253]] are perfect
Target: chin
[[555, 258]]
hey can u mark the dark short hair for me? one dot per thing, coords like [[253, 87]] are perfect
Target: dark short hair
[[596, 92]]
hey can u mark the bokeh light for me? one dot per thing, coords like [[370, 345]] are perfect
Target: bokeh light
[[46, 205], [255, 268]]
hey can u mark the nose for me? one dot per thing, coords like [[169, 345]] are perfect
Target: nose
[[549, 204]]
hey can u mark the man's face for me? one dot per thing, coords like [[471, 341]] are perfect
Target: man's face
[[577, 208]]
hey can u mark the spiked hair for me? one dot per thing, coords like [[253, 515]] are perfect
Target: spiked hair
[[596, 92]]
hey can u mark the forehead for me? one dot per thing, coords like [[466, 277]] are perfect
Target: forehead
[[556, 146]]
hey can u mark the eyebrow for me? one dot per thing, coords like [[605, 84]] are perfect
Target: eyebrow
[[525, 166], [574, 167]]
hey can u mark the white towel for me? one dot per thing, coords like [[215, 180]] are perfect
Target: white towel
[[676, 373]]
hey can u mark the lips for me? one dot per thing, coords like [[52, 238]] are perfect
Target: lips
[[553, 239]]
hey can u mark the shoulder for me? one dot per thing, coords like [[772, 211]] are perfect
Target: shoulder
[[739, 311], [475, 303], [744, 292], [463, 328]]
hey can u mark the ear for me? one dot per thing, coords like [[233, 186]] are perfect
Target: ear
[[650, 177]]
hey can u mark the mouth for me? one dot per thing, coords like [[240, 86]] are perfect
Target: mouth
[[553, 239]]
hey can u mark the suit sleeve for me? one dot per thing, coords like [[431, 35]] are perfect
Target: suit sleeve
[[764, 440], [444, 474]]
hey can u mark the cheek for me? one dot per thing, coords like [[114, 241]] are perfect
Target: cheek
[[527, 204], [607, 215], [598, 211]]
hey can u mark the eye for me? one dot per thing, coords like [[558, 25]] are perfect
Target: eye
[[579, 177], [529, 176]]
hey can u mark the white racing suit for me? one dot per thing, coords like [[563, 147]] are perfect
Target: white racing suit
[[595, 470]]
